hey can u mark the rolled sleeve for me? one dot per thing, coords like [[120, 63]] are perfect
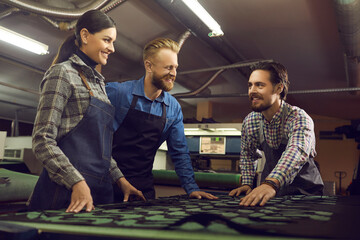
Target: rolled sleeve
[[115, 172], [300, 147]]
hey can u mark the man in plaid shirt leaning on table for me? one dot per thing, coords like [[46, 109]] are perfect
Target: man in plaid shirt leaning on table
[[285, 135]]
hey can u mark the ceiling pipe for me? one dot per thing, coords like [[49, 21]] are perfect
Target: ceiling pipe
[[66, 26], [25, 66], [187, 18], [55, 23], [348, 20], [22, 65], [219, 70], [8, 12], [47, 12], [181, 12], [20, 88], [40, 9], [236, 65], [184, 37], [111, 5], [331, 90], [188, 82], [125, 46], [202, 88], [17, 104]]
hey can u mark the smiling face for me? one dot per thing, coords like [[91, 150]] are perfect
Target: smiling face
[[99, 45], [263, 95], [163, 67]]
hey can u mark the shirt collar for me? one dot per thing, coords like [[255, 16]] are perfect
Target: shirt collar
[[78, 61], [277, 116], [139, 91], [85, 58]]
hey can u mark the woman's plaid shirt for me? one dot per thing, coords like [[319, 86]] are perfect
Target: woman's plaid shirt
[[63, 102]]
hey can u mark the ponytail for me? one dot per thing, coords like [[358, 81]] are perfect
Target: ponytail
[[67, 48]]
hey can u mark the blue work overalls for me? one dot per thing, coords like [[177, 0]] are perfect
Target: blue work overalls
[[88, 147], [307, 182], [135, 144]]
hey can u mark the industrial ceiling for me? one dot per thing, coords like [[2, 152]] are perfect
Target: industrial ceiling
[[316, 40]]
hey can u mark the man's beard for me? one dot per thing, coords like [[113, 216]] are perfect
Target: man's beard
[[161, 83], [260, 107]]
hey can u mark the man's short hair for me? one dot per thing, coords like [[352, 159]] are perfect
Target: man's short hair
[[155, 45], [278, 74]]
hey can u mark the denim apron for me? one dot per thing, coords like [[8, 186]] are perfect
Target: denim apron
[[307, 182], [88, 147], [135, 144]]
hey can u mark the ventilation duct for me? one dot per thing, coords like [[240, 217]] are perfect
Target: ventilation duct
[[348, 19], [188, 19], [41, 9], [125, 46]]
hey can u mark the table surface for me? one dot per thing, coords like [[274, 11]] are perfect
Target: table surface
[[179, 217]]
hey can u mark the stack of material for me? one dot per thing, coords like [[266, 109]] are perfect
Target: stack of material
[[15, 186]]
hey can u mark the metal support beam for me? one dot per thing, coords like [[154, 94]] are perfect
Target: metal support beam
[[331, 90], [219, 70], [235, 65], [40, 9], [18, 104], [20, 88], [22, 65], [8, 12]]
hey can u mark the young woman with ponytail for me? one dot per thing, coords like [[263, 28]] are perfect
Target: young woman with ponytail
[[72, 133]]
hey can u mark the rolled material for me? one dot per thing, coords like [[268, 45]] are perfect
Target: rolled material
[[203, 179], [15, 186]]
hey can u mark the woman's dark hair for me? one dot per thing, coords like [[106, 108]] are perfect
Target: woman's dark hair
[[278, 74], [94, 21]]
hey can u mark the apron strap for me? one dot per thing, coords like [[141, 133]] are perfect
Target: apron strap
[[163, 110], [261, 131], [81, 74], [134, 101]]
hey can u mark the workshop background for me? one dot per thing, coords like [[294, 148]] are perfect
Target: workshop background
[[318, 41]]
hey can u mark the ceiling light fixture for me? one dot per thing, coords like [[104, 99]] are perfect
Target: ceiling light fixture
[[23, 41], [196, 8]]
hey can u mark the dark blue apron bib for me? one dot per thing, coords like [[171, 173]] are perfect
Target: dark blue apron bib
[[307, 182], [135, 144], [88, 147]]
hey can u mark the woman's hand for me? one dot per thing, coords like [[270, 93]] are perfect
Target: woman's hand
[[80, 198]]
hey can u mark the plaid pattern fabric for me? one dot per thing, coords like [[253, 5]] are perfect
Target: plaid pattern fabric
[[298, 128], [63, 102]]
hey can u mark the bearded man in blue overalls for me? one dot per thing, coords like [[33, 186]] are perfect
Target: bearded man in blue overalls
[[146, 115]]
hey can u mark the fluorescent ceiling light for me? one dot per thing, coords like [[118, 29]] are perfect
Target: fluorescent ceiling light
[[23, 41], [196, 7]]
